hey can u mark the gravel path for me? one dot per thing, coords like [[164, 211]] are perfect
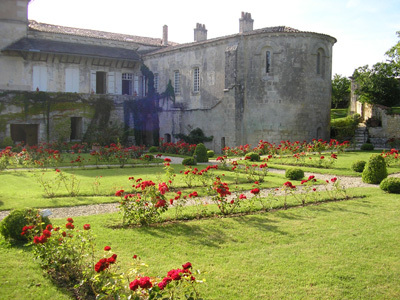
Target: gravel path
[[87, 210]]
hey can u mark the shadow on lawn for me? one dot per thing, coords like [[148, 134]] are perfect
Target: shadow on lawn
[[211, 235]]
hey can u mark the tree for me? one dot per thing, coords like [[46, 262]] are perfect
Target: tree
[[394, 55], [380, 84], [340, 91]]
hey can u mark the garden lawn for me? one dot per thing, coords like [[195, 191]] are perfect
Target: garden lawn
[[99, 185], [337, 250], [342, 165]]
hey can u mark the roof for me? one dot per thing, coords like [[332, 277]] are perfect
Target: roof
[[275, 29], [57, 47], [42, 27]]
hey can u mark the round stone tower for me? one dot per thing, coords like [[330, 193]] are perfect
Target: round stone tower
[[13, 21]]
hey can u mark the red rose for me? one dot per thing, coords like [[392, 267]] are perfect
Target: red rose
[[70, 226], [188, 265], [86, 226], [242, 196], [135, 256], [112, 259], [119, 193], [70, 220], [134, 285], [64, 234], [107, 248], [49, 227], [255, 191], [46, 233], [145, 283]]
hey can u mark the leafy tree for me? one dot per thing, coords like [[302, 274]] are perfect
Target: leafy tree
[[394, 55], [380, 84], [340, 91], [196, 136]]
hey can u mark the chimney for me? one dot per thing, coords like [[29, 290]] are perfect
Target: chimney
[[245, 23], [165, 36], [200, 33]]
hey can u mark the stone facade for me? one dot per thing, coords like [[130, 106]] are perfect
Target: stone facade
[[272, 83], [241, 98], [385, 125]]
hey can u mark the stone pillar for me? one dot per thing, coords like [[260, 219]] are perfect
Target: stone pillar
[[200, 33], [245, 23]]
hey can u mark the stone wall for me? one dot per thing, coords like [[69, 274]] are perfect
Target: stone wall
[[239, 102]]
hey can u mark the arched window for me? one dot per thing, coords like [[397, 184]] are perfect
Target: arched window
[[321, 62], [268, 62]]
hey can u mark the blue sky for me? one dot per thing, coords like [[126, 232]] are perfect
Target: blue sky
[[365, 29]]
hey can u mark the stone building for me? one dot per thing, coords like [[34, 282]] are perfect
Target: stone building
[[272, 83]]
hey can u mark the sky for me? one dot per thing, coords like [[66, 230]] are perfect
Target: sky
[[364, 29]]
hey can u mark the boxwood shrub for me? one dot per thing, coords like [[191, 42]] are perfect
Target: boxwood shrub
[[391, 185], [201, 153], [367, 147], [210, 153], [294, 173], [189, 161], [253, 156], [358, 165], [375, 170], [11, 226], [153, 149]]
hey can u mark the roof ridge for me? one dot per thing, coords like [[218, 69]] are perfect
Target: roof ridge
[[45, 27]]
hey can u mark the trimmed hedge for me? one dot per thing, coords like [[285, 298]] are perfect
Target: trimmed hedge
[[210, 153], [391, 185], [253, 156], [189, 161], [12, 225], [367, 147], [375, 170], [294, 174], [358, 166], [201, 153]]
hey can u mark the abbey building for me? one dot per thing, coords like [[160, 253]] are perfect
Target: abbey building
[[271, 83]]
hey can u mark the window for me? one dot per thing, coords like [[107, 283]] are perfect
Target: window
[[76, 128], [177, 82], [268, 62], [156, 82], [127, 84], [196, 80], [321, 62], [39, 78], [71, 80], [101, 79]]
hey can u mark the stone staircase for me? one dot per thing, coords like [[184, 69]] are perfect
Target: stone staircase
[[361, 135]]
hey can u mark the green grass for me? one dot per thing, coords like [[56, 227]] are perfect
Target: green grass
[[342, 165], [337, 250], [338, 113], [27, 192]]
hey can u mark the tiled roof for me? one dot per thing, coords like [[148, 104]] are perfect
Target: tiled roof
[[42, 27], [276, 29], [57, 47]]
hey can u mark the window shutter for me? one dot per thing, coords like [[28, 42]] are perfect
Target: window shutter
[[92, 82], [39, 78], [71, 80], [111, 83]]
